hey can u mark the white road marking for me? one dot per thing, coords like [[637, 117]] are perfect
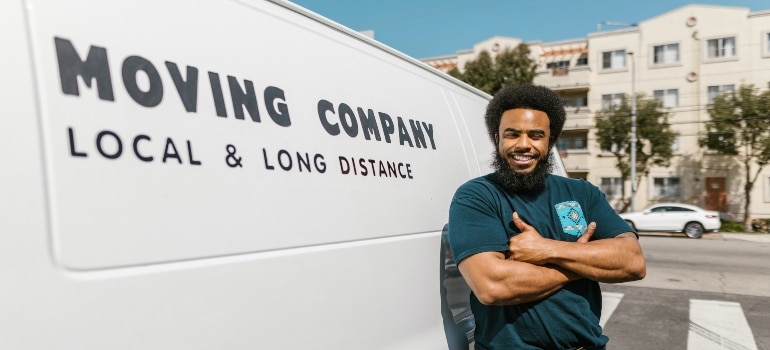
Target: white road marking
[[718, 325], [610, 302]]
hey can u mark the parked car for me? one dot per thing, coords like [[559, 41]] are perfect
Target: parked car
[[674, 217]]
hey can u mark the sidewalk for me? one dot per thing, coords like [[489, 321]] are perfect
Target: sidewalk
[[753, 237]]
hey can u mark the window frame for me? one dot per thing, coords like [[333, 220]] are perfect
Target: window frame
[[613, 97], [618, 186], [612, 67], [710, 98], [677, 61], [765, 47], [654, 188], [720, 48], [664, 95]]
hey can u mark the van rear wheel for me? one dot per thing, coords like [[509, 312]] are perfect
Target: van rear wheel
[[693, 230]]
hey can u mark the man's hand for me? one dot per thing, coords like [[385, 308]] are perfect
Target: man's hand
[[529, 246]]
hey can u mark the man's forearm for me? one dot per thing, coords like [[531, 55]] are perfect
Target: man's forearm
[[611, 260], [496, 281]]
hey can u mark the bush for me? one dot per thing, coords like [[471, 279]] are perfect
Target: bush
[[732, 226]]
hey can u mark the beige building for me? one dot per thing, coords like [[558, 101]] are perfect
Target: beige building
[[683, 58]]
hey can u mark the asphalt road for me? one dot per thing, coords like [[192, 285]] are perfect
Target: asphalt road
[[657, 312]]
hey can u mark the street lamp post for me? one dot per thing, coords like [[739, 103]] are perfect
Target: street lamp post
[[633, 131]]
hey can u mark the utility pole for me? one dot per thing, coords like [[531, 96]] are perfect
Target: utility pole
[[633, 131]]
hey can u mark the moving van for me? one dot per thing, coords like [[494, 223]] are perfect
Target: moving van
[[222, 174]]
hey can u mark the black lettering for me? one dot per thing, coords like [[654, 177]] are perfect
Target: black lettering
[[73, 152], [118, 143], [154, 94], [344, 165], [267, 165], [187, 88], [369, 124], [305, 161], [387, 126], [382, 169], [216, 91], [419, 137], [391, 169], [348, 120], [95, 67], [323, 107], [284, 154], [242, 98], [190, 155], [401, 171], [403, 133], [278, 111], [362, 164], [136, 148], [429, 129], [319, 165], [171, 152], [409, 170]]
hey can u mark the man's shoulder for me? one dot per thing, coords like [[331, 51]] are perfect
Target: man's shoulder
[[485, 183]]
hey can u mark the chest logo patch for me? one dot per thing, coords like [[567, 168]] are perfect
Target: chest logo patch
[[573, 222]]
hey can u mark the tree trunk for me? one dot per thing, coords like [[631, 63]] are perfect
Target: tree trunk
[[747, 194]]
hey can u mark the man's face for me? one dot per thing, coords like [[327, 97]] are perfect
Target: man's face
[[522, 139]]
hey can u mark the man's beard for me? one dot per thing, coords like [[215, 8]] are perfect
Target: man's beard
[[529, 183]]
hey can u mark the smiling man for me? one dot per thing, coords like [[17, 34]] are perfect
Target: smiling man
[[532, 246]]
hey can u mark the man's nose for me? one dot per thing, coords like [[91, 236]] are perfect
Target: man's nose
[[523, 143]]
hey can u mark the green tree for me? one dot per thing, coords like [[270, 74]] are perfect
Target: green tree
[[510, 67], [739, 128], [653, 133]]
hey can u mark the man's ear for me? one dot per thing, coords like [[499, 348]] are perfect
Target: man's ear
[[497, 139]]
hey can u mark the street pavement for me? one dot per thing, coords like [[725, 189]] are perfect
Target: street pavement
[[753, 237]]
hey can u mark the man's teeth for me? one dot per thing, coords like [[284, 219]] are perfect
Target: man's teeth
[[523, 157]]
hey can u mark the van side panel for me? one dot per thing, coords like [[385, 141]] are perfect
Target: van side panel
[[228, 175]]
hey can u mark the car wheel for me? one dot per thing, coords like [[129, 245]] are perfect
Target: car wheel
[[631, 224], [693, 230]]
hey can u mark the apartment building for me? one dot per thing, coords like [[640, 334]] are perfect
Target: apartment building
[[684, 58]]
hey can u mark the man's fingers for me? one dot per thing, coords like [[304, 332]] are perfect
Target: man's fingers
[[588, 233], [520, 223]]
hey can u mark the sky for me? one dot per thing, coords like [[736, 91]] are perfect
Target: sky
[[430, 28]]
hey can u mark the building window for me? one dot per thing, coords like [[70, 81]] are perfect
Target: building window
[[611, 186], [575, 102], [720, 48], [668, 98], [665, 187], [614, 59], [611, 101], [675, 144], [715, 90], [573, 141], [551, 65], [582, 61], [666, 54]]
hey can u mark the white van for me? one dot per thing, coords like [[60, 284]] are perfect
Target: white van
[[217, 174]]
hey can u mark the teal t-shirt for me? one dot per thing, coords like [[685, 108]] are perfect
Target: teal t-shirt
[[481, 220]]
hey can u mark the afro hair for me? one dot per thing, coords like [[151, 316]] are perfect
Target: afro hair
[[526, 96]]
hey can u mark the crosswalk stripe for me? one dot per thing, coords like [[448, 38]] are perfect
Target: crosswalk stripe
[[718, 324], [610, 302]]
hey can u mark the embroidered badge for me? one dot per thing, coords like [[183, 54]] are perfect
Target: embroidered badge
[[573, 222]]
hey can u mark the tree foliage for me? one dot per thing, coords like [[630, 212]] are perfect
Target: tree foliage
[[739, 127], [510, 67], [653, 133]]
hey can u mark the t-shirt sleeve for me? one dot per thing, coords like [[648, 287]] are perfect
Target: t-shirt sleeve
[[608, 223], [475, 224]]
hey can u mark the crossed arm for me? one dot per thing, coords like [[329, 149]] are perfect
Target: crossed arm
[[535, 267]]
